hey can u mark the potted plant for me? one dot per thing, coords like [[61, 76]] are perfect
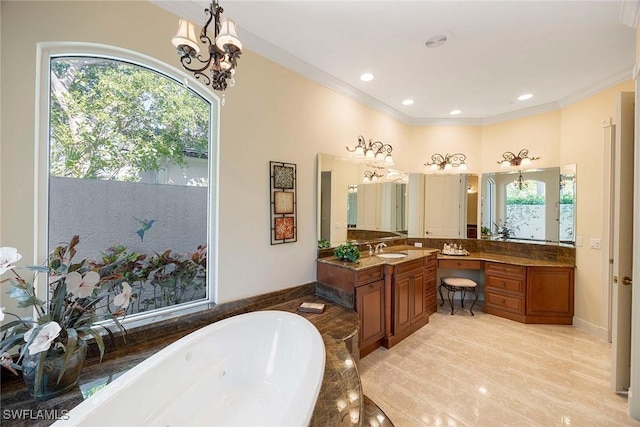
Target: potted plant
[[52, 344], [347, 251]]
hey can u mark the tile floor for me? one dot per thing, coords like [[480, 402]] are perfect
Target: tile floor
[[488, 371]]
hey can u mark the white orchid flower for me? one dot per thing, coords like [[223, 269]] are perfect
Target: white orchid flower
[[1, 314], [8, 256], [82, 287], [43, 340], [123, 299]]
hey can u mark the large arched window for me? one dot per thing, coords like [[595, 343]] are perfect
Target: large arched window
[[128, 162]]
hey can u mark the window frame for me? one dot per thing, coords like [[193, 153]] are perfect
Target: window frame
[[46, 52]]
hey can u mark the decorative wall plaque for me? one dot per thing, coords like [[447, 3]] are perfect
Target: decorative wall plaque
[[283, 202]]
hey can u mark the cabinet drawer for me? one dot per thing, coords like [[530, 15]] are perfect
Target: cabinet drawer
[[408, 266], [495, 269], [505, 284], [431, 261], [369, 275], [505, 302], [460, 264]]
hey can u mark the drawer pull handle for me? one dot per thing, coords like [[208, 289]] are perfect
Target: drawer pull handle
[[504, 301], [504, 285]]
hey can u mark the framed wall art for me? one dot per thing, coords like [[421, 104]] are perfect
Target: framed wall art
[[284, 227]]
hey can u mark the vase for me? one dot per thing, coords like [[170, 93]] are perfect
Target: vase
[[49, 385]]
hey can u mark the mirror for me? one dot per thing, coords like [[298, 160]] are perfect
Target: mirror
[[529, 205], [351, 209]]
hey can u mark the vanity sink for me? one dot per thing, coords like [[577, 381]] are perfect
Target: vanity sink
[[391, 255]]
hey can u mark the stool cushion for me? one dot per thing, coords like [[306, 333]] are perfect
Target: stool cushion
[[459, 282]]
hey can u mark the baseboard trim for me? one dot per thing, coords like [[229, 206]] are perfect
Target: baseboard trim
[[591, 329]]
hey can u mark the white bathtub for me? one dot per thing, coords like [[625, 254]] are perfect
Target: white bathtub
[[260, 368]]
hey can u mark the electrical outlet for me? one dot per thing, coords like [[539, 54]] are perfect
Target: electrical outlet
[[594, 243], [417, 244], [579, 241]]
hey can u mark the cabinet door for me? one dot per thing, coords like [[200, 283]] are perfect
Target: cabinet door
[[402, 303], [418, 291], [370, 308], [549, 291]]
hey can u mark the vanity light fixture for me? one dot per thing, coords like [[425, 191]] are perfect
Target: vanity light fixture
[[374, 151], [223, 49], [370, 176], [521, 159], [447, 162]]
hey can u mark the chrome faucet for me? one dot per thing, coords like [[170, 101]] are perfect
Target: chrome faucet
[[379, 247], [370, 249]]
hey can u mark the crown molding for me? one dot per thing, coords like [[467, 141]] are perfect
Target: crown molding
[[630, 12], [595, 88], [192, 10]]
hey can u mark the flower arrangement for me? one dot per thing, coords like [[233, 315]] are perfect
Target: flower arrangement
[[79, 301], [347, 251]]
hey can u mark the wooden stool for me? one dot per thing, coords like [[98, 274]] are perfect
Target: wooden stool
[[455, 284]]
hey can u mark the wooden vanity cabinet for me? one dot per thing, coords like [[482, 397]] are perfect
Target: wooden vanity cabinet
[[370, 307], [392, 300], [529, 294]]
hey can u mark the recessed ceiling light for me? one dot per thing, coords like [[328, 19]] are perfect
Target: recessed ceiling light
[[525, 96], [407, 101], [455, 112], [366, 77]]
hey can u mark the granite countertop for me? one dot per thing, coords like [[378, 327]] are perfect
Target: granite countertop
[[367, 261], [412, 252], [506, 259]]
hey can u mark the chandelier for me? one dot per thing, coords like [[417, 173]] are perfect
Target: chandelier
[[521, 159], [520, 183], [447, 162], [223, 49], [370, 176], [377, 151]]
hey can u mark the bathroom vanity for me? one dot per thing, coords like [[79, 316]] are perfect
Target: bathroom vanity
[[522, 289], [393, 296]]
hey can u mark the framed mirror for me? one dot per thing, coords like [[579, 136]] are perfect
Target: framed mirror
[[353, 205]]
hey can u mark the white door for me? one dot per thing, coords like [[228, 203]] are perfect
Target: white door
[[442, 206], [622, 243]]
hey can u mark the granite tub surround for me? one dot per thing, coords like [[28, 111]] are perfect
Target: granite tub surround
[[340, 401]]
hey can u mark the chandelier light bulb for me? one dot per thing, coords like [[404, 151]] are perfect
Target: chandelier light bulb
[[525, 162], [389, 160], [463, 166], [359, 153]]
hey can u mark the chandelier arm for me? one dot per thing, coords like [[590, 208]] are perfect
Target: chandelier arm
[[523, 153], [186, 61]]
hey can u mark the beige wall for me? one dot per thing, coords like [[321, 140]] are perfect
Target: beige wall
[[275, 114]]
